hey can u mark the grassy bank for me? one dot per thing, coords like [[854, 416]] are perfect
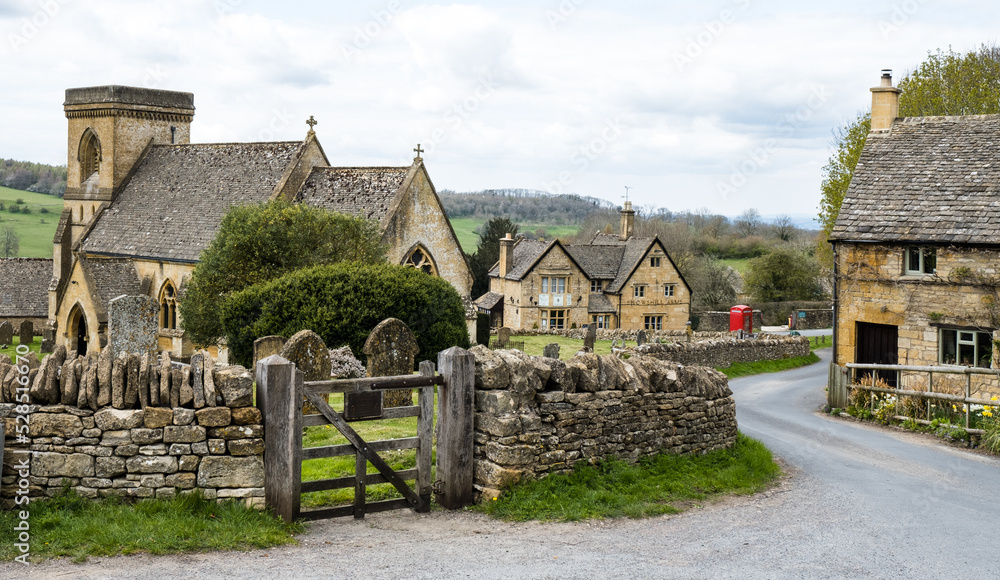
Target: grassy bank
[[656, 485], [69, 526], [36, 229]]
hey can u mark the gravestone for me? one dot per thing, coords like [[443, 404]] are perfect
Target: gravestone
[[391, 348], [133, 325], [503, 336], [309, 353], [551, 350], [640, 338], [265, 346], [26, 332], [48, 339], [6, 333], [591, 338]]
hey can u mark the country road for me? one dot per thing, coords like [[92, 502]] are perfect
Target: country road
[[857, 502]]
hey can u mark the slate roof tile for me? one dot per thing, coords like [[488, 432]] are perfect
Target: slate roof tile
[[25, 291], [929, 179], [366, 192]]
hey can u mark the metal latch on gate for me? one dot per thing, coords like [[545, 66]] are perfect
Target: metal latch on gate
[[438, 487]]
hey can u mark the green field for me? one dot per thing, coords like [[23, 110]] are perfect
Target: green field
[[35, 230], [738, 265], [465, 230]]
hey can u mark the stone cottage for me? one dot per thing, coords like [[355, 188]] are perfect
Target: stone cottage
[[917, 242], [614, 281], [142, 202]]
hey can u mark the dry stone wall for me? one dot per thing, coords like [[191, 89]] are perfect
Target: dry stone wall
[[724, 352], [625, 334], [132, 427], [538, 415]]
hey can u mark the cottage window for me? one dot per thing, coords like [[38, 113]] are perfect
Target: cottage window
[[668, 290], [639, 291], [554, 319], [596, 286], [920, 261], [601, 321], [654, 262], [965, 347], [653, 322], [556, 285]]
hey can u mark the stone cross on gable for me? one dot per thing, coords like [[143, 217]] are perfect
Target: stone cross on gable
[[419, 151], [312, 123]]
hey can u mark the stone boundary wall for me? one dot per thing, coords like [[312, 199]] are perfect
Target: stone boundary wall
[[719, 321], [214, 445], [538, 415], [722, 353], [619, 334], [813, 319]]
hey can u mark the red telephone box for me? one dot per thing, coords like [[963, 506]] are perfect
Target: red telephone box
[[741, 318]]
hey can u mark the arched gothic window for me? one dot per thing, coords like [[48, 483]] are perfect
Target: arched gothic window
[[420, 259], [90, 155], [168, 306]]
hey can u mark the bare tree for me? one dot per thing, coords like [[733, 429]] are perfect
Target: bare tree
[[10, 242], [748, 223], [784, 229]]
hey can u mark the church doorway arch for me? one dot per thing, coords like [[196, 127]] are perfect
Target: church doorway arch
[[79, 338]]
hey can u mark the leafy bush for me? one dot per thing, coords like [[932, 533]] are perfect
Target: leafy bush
[[343, 303]]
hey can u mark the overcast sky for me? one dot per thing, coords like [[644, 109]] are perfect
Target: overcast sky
[[725, 105]]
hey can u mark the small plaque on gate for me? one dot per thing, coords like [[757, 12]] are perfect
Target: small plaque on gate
[[358, 406]]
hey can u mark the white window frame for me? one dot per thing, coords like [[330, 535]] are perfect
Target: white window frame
[[981, 343], [926, 261], [639, 291], [668, 290], [596, 286], [653, 322]]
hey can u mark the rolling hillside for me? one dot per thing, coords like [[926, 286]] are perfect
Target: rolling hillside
[[36, 229]]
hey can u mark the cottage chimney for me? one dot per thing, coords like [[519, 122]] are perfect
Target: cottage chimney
[[885, 103], [628, 221], [506, 254]]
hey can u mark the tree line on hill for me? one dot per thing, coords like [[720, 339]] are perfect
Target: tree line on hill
[[37, 177], [521, 205]]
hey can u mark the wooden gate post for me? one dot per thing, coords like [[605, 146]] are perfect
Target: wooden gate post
[[279, 397], [455, 438], [836, 390]]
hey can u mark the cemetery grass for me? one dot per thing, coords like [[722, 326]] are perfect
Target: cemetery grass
[[533, 345], [34, 230], [333, 467], [661, 484], [11, 349], [71, 526]]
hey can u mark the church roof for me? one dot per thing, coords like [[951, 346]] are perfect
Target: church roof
[[366, 192], [172, 207], [25, 292], [928, 179], [110, 278]]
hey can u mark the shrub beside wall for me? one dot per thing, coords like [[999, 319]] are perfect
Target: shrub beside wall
[[539, 415]]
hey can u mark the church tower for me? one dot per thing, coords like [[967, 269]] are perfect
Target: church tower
[[109, 128]]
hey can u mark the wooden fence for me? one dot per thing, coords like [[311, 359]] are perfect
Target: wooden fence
[[840, 383], [280, 392]]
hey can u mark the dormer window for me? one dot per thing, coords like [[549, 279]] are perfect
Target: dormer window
[[920, 261]]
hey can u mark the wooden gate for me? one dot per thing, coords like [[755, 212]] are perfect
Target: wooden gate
[[280, 392]]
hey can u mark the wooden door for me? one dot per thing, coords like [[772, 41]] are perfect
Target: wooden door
[[878, 344]]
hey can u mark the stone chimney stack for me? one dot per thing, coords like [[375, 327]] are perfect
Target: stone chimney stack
[[628, 221], [885, 103], [506, 254]]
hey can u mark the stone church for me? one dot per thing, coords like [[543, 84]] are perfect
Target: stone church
[[142, 202]]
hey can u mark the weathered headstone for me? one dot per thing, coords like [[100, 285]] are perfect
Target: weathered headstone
[[309, 353], [209, 378], [590, 338], [265, 346], [6, 333], [197, 383], [133, 324], [551, 350], [503, 336], [26, 332], [48, 339], [391, 349], [640, 337]]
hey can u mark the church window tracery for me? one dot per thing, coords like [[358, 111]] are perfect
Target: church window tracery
[[420, 259], [168, 307]]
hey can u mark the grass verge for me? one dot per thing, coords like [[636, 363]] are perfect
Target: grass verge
[[71, 526], [745, 369], [656, 485]]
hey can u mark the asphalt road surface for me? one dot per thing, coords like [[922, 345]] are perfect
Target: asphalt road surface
[[857, 502]]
